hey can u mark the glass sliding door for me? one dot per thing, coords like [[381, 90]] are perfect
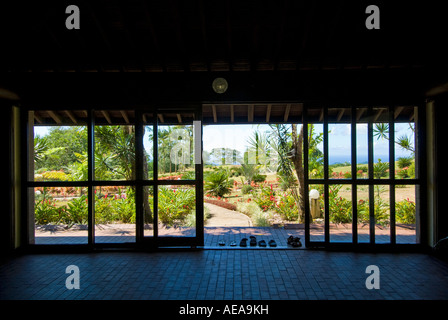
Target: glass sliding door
[[172, 178], [368, 189]]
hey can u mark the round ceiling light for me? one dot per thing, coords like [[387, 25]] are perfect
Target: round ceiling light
[[220, 85]]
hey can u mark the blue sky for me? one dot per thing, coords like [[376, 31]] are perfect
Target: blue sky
[[236, 137]]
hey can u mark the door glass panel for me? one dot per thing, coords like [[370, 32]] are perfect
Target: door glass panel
[[148, 211], [362, 144], [114, 214], [405, 146], [114, 145], [176, 210], [339, 143], [340, 205], [315, 143], [317, 212], [405, 214], [382, 213], [381, 156], [175, 147], [363, 213]]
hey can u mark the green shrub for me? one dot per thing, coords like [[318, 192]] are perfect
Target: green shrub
[[287, 207], [265, 198], [175, 205], [76, 211], [257, 178], [124, 209], [218, 183], [246, 189], [104, 212], [403, 162], [46, 212], [405, 211], [380, 169], [340, 208]]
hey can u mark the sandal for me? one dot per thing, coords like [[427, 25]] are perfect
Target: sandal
[[290, 240], [262, 243], [272, 243], [296, 243], [243, 242], [222, 243], [233, 243], [253, 241]]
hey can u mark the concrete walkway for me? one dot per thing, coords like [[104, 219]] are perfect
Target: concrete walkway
[[222, 217]]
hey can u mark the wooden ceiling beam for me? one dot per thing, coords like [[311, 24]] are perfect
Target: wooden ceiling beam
[[215, 117], [71, 116], [37, 118], [232, 113], [268, 112], [125, 116], [378, 114], [250, 113], [359, 113], [340, 115], [107, 116], [397, 111], [55, 117], [287, 110]]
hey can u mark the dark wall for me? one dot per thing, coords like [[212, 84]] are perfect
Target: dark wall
[[90, 90], [6, 215], [441, 115]]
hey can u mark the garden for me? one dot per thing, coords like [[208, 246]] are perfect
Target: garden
[[265, 181]]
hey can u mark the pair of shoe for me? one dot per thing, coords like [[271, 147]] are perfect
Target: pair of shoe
[[294, 241], [253, 242], [222, 243]]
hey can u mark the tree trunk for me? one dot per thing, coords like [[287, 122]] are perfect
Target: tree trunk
[[297, 159]]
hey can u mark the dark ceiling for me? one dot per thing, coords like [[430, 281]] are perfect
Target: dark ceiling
[[223, 35]]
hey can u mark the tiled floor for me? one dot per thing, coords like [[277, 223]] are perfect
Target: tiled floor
[[224, 274]]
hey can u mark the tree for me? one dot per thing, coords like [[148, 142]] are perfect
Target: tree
[[381, 131], [290, 157], [115, 150]]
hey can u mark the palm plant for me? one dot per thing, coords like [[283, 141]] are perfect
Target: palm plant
[[218, 183]]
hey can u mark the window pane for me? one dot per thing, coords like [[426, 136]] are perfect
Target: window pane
[[114, 145], [148, 211], [340, 205], [316, 151], [405, 213], [339, 143], [60, 215], [175, 152], [177, 211], [317, 211], [382, 213], [362, 144], [60, 153], [114, 214], [363, 213], [405, 143], [381, 156]]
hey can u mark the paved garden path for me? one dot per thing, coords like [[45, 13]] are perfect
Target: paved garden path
[[222, 217]]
